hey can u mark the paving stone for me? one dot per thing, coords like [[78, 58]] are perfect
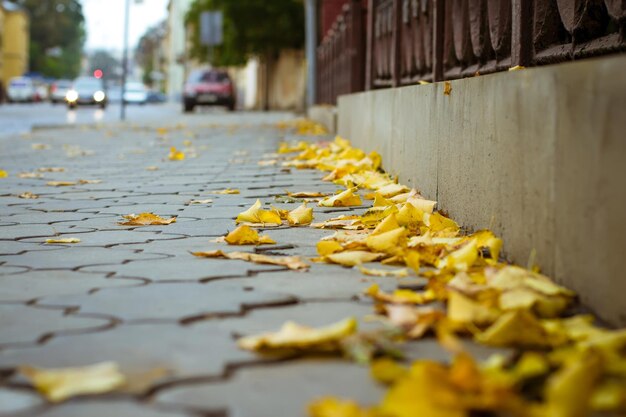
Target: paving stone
[[33, 230], [14, 247], [37, 284], [117, 237], [107, 408], [6, 270], [76, 256], [187, 351], [282, 389], [14, 401], [23, 324], [184, 300]]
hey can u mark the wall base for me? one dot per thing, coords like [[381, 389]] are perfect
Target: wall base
[[538, 156]]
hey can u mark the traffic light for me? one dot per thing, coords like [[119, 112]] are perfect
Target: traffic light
[[98, 73]]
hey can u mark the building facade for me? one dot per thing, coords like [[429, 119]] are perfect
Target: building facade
[[14, 42]]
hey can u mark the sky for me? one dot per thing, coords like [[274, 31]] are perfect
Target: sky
[[105, 21]]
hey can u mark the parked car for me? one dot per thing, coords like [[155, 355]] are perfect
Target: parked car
[[156, 97], [209, 87], [21, 89], [59, 90], [42, 90], [86, 91], [136, 93]]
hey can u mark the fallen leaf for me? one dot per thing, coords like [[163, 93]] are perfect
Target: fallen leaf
[[257, 215], [192, 202], [333, 407], [346, 198], [291, 262], [399, 296], [61, 183], [28, 195], [352, 258], [63, 240], [266, 163], [328, 247], [244, 235], [39, 146], [63, 383], [176, 155], [390, 242], [27, 175], [306, 194], [300, 216], [146, 219], [51, 169], [396, 273], [226, 191], [447, 88], [517, 68], [387, 371], [152, 168], [295, 336], [89, 181]]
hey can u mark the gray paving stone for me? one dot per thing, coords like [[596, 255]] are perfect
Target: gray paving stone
[[76, 257], [22, 324], [107, 408], [112, 238], [37, 284], [6, 270], [14, 401], [282, 389], [14, 247], [185, 300], [33, 230]]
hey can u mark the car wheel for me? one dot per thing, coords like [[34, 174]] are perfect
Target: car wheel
[[71, 106], [188, 107]]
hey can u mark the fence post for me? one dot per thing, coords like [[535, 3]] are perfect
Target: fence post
[[521, 32], [396, 39], [369, 46], [439, 13]]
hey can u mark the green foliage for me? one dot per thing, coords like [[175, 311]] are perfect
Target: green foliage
[[55, 26], [251, 27]]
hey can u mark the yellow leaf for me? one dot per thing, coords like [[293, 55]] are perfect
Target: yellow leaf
[[175, 154], [518, 328], [60, 384], [306, 194], [388, 242], [257, 215], [152, 168], [412, 260], [146, 219], [462, 309], [447, 88], [440, 225], [425, 206], [300, 216], [396, 273], [3, 173], [51, 169], [64, 240], [461, 259], [89, 181], [244, 235], [192, 202], [387, 371], [295, 336], [375, 215], [28, 175], [28, 195], [226, 191], [328, 247], [391, 190], [399, 296], [346, 198], [333, 407], [61, 183], [388, 224], [352, 258], [291, 262], [409, 216], [380, 201], [39, 146]]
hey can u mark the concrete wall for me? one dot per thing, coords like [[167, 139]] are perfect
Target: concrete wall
[[537, 155]]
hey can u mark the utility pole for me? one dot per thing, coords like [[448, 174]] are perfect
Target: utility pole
[[310, 13], [125, 62]]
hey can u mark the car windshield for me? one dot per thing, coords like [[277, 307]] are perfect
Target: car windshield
[[208, 77], [88, 84]]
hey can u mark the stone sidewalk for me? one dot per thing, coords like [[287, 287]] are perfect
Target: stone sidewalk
[[136, 296]]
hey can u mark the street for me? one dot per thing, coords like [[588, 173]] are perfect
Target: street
[[21, 118]]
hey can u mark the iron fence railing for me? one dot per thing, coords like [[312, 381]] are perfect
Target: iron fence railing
[[341, 55]]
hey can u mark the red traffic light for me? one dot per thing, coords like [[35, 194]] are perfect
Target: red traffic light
[[98, 73]]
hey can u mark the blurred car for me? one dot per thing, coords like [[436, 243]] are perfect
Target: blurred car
[[59, 90], [208, 87], [156, 97], [114, 94], [42, 92], [136, 93], [21, 89], [86, 91]]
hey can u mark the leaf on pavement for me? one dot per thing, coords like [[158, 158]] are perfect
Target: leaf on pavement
[[256, 214], [51, 169], [396, 273], [39, 146], [89, 181], [295, 336], [291, 262], [334, 407], [300, 216], [63, 240], [28, 196], [146, 219], [63, 383], [61, 183], [175, 154], [346, 198], [152, 168], [447, 88], [245, 235], [192, 202], [352, 258], [306, 194], [27, 175], [226, 191]]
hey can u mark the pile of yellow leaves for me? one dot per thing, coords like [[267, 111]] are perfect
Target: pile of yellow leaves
[[470, 293], [256, 216]]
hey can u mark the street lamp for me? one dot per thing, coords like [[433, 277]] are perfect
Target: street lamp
[[125, 58]]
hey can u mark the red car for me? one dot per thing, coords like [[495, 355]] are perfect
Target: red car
[[208, 87]]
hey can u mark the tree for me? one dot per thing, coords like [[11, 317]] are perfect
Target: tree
[[57, 36], [251, 27]]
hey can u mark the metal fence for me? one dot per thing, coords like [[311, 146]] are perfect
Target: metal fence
[[409, 41], [341, 55]]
